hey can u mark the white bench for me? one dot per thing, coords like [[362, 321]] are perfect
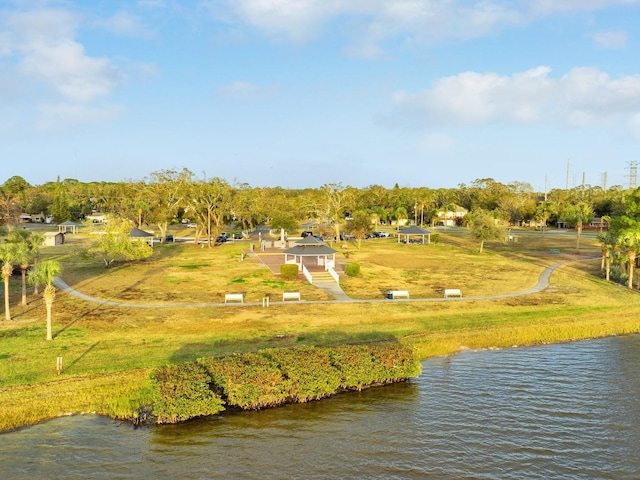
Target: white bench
[[398, 294], [290, 296], [234, 297], [452, 292]]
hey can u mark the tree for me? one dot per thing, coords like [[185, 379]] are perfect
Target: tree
[[60, 208], [7, 257], [114, 243], [44, 274], [629, 241], [484, 227], [360, 225], [27, 248], [281, 220], [608, 244], [577, 214], [400, 214], [335, 201], [210, 202]]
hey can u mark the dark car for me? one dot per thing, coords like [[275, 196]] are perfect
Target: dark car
[[237, 236], [307, 233]]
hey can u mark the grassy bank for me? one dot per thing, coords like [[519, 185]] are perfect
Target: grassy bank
[[108, 352]]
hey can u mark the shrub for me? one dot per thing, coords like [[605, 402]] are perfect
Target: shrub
[[435, 237], [355, 364], [310, 371], [273, 377], [289, 271], [248, 381], [182, 392], [393, 363], [352, 269]]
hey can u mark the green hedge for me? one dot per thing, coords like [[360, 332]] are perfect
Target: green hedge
[[182, 392], [248, 381], [352, 269], [275, 376], [289, 271]]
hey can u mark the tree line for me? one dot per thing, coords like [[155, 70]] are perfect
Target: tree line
[[167, 195]]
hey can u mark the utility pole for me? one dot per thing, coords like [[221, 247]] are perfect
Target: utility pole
[[633, 174]]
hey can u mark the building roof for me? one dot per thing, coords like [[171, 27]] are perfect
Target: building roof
[[312, 250], [137, 233], [309, 240], [414, 230]]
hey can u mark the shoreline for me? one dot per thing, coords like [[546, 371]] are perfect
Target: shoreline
[[626, 328]]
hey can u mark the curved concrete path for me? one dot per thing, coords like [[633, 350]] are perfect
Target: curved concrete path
[[332, 288]]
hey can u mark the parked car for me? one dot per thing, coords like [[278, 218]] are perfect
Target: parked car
[[380, 234], [237, 236], [307, 233], [221, 239], [191, 225], [168, 238]]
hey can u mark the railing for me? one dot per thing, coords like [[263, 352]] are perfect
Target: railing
[[334, 274], [307, 275]]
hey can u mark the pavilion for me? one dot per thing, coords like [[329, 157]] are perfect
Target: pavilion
[[138, 234], [68, 227], [310, 251], [414, 231]]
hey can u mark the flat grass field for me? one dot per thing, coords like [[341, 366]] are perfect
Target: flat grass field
[[108, 351]]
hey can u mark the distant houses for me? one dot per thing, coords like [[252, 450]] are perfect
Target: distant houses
[[451, 218]]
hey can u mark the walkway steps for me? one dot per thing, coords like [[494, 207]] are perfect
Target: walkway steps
[[322, 277]]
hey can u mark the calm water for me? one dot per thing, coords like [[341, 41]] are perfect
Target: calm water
[[569, 411]]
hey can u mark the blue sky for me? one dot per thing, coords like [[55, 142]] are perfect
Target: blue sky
[[301, 93]]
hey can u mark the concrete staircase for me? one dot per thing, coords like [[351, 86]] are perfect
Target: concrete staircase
[[322, 277]]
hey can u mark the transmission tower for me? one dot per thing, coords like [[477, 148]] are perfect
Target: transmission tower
[[633, 174]]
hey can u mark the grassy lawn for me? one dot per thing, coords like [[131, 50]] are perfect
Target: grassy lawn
[[108, 351]]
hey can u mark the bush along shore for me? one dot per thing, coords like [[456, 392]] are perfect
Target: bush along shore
[[274, 377]]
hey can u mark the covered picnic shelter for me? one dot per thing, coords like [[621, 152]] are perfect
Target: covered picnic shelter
[[68, 227], [310, 251], [138, 234], [414, 231]]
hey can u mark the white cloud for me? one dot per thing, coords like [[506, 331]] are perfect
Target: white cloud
[[612, 39], [369, 22], [56, 116], [124, 23], [247, 90], [44, 43], [583, 96]]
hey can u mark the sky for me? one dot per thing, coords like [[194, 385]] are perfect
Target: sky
[[303, 93]]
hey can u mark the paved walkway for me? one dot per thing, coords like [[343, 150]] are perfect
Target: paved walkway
[[332, 288]]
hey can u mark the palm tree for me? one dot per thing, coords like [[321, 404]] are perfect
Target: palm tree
[[608, 244], [34, 242], [27, 245], [44, 274], [7, 257], [630, 241], [23, 256]]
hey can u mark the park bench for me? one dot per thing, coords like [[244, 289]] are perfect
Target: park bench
[[452, 292], [290, 296], [234, 297], [393, 294]]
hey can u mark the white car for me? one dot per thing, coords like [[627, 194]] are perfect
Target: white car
[[382, 234], [191, 225]]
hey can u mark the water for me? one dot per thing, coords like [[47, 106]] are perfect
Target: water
[[569, 411]]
